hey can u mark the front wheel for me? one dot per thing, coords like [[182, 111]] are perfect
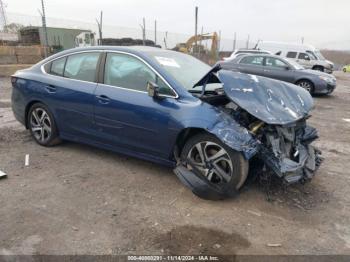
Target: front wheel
[[307, 85], [42, 125], [220, 165]]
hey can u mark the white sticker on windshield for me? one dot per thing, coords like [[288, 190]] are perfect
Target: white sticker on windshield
[[165, 61]]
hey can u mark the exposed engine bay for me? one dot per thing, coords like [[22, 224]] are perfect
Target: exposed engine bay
[[285, 149]]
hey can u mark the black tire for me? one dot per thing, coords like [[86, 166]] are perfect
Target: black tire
[[344, 70], [42, 127], [307, 85], [319, 68], [240, 166]]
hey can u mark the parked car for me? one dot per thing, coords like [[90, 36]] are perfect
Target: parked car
[[282, 69], [239, 52], [170, 108], [346, 68], [305, 55]]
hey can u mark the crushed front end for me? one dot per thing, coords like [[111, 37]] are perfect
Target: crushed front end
[[274, 113], [287, 150]]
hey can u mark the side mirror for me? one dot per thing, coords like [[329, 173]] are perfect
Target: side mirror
[[152, 89], [287, 67]]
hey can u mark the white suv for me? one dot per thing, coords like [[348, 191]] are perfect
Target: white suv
[[239, 52]]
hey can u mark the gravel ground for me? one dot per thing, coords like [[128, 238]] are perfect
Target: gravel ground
[[76, 199]]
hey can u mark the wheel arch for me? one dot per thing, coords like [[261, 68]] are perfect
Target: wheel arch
[[183, 136], [318, 66], [305, 79], [27, 108], [230, 133]]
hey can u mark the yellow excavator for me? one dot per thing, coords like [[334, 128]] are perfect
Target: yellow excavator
[[190, 45]]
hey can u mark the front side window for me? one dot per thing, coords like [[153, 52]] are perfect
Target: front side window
[[82, 66], [252, 60], [126, 71], [303, 56], [57, 66], [292, 54], [274, 62]]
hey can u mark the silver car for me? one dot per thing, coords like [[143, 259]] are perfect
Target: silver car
[[276, 67]]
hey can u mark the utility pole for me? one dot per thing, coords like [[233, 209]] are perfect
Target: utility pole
[[302, 40], [247, 46], [200, 44], [3, 19], [99, 25], [165, 40], [234, 42], [155, 32], [43, 18], [219, 44], [195, 28], [143, 28]]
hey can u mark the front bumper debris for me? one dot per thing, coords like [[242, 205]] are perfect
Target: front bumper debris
[[299, 165]]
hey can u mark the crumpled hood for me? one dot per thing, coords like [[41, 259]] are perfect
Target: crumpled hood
[[271, 101]]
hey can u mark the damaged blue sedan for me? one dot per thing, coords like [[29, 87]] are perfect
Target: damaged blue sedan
[[209, 124]]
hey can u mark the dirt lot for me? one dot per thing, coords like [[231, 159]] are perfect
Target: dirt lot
[[76, 199]]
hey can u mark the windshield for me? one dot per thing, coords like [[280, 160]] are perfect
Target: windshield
[[295, 65], [318, 54], [184, 68]]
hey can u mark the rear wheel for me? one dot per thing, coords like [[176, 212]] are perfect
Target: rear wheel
[[42, 125], [219, 164], [344, 70], [307, 85]]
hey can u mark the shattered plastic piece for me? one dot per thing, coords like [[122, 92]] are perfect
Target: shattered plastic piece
[[2, 174], [254, 213], [274, 245], [26, 160]]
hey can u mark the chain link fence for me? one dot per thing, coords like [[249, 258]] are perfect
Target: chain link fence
[[164, 38]]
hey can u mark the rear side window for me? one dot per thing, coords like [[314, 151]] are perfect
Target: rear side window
[[292, 54], [274, 62], [252, 60], [82, 66], [57, 66]]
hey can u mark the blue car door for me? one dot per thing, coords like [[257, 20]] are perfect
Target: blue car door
[[70, 86], [125, 115]]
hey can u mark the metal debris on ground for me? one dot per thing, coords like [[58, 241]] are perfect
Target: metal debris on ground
[[2, 174]]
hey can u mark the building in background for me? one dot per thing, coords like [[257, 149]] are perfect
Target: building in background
[[58, 38]]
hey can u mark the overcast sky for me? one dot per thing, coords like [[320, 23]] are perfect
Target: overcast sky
[[323, 23]]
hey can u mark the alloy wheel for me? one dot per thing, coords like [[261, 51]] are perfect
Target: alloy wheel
[[212, 161], [306, 85], [40, 124]]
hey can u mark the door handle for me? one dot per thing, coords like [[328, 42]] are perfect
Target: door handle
[[102, 99], [50, 89]]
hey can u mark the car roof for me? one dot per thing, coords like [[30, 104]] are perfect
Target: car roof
[[264, 55]]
